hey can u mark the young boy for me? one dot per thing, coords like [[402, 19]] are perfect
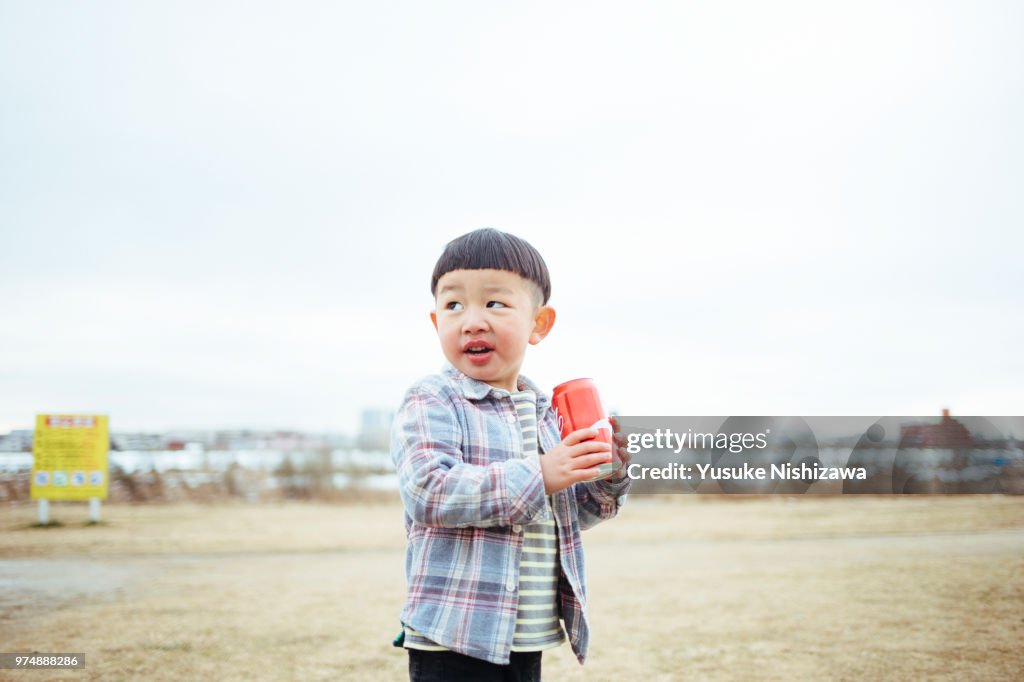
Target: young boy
[[494, 499]]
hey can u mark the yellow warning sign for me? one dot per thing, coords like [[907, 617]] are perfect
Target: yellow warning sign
[[69, 457]]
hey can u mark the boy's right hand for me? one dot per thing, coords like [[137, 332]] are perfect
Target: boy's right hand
[[573, 460]]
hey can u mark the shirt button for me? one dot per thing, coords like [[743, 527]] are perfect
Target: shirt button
[[517, 528], [511, 419], [510, 585]]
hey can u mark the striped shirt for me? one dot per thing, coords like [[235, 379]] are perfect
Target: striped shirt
[[537, 626], [469, 493]]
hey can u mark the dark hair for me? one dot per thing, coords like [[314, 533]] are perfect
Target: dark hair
[[490, 249]]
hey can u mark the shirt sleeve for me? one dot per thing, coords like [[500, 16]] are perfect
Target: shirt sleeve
[[597, 501], [439, 489]]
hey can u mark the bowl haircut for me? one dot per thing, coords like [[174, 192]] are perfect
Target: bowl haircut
[[490, 249]]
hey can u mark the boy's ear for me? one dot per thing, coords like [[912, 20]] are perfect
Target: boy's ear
[[433, 318], [543, 321]]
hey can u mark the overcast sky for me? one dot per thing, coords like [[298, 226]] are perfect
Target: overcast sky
[[226, 214]]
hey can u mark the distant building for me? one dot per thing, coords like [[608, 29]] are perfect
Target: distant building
[[947, 434], [136, 441], [17, 441], [375, 429]]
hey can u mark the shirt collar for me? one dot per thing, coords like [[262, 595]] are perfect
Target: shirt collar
[[477, 390]]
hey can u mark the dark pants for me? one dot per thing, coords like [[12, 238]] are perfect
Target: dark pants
[[448, 666]]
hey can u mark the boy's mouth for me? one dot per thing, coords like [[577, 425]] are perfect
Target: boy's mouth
[[478, 351]]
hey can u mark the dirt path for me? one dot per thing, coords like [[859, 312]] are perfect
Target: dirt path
[[927, 588]]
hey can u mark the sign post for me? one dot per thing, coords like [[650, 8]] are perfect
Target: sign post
[[69, 461]]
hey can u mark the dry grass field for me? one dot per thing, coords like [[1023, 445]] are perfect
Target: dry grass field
[[681, 587]]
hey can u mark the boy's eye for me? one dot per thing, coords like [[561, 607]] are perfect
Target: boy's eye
[[453, 305], [495, 304]]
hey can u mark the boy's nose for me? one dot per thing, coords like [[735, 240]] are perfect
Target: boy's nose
[[474, 322]]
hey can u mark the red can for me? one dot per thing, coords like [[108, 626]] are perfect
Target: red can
[[578, 405]]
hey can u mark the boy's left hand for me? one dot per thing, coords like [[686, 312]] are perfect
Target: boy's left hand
[[620, 450]]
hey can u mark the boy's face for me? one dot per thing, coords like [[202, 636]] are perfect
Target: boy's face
[[485, 319]]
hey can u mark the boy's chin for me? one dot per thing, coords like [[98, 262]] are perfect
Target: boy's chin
[[482, 375], [478, 374]]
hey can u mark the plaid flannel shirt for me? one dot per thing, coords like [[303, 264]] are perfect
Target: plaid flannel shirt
[[468, 492]]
